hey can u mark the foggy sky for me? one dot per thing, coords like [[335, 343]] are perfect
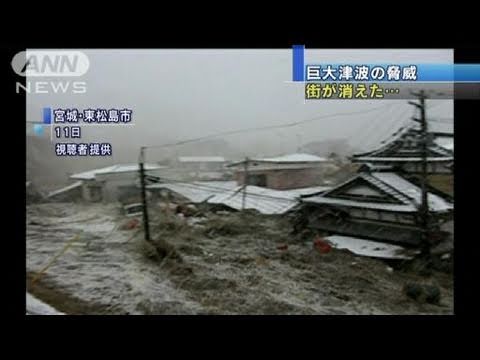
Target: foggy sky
[[181, 94]]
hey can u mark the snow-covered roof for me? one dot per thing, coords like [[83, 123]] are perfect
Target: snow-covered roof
[[361, 204], [401, 185], [65, 189], [198, 191], [201, 159], [122, 168], [404, 159], [228, 193], [445, 142], [266, 201], [370, 248], [407, 194], [403, 147], [307, 191], [376, 167], [298, 158]]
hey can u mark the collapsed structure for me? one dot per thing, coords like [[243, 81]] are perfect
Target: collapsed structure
[[116, 182]]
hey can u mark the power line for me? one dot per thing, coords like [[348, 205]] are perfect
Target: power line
[[365, 138], [366, 129], [389, 133], [441, 120], [240, 131], [437, 105], [226, 133]]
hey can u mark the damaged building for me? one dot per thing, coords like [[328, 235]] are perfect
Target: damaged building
[[111, 183], [274, 185], [228, 195]]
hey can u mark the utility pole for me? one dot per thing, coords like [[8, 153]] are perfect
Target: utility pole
[[146, 225], [245, 183], [424, 212]]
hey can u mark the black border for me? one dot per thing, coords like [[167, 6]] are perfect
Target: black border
[[465, 129], [14, 155]]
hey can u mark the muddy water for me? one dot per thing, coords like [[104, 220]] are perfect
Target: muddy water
[[231, 265]]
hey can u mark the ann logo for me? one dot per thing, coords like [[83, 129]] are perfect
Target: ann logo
[[50, 63]]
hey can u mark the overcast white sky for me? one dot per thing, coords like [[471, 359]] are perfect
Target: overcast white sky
[[180, 94]]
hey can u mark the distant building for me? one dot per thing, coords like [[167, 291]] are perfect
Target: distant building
[[201, 163], [117, 182], [201, 167], [284, 172]]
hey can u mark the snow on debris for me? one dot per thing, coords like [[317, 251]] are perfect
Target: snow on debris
[[370, 248], [65, 189], [198, 191], [228, 193], [37, 307], [266, 201]]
